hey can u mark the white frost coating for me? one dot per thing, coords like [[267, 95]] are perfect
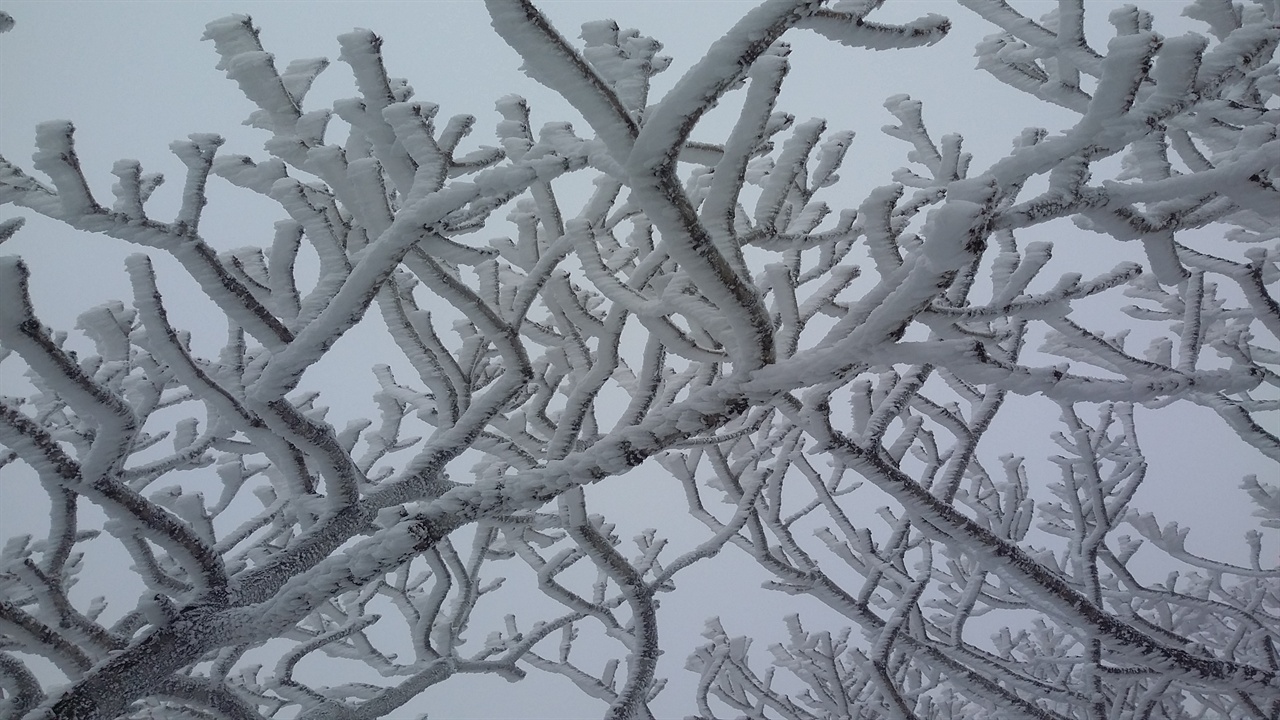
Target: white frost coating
[[652, 159], [833, 152], [850, 30], [15, 306], [292, 196], [778, 183], [549, 60], [350, 301], [360, 50], [618, 58], [1243, 48], [411, 123], [244, 60], [231, 36], [949, 233], [368, 196], [670, 317], [1174, 74], [256, 74], [55, 156], [197, 154], [311, 126], [108, 325], [876, 221], [128, 190], [670, 122], [1118, 87], [299, 75], [244, 172], [1231, 178], [719, 209]]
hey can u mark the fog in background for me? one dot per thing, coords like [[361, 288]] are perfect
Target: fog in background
[[134, 76]]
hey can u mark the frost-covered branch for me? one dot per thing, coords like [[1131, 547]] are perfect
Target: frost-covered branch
[[703, 321]]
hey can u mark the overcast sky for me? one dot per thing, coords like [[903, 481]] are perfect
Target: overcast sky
[[134, 76]]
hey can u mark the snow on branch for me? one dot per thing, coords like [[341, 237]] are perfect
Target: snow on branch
[[719, 321]]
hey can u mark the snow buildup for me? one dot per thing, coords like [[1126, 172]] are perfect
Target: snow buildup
[[557, 138], [367, 195], [197, 149], [601, 49], [255, 73], [15, 303], [311, 126], [412, 124], [834, 149], [128, 193], [398, 165], [1174, 74], [948, 231], [848, 29], [790, 165], [1234, 55], [1024, 269], [55, 156], [231, 36], [514, 131], [361, 49], [329, 163], [626, 60], [288, 147], [549, 60], [504, 181], [292, 197], [108, 325], [910, 115], [1123, 70], [243, 172], [299, 75]]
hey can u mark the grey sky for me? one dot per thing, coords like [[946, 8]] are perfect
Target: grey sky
[[134, 76]]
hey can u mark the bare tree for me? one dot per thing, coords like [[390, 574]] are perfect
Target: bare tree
[[702, 312]]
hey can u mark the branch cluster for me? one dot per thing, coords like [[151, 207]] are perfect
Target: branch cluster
[[704, 311]]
